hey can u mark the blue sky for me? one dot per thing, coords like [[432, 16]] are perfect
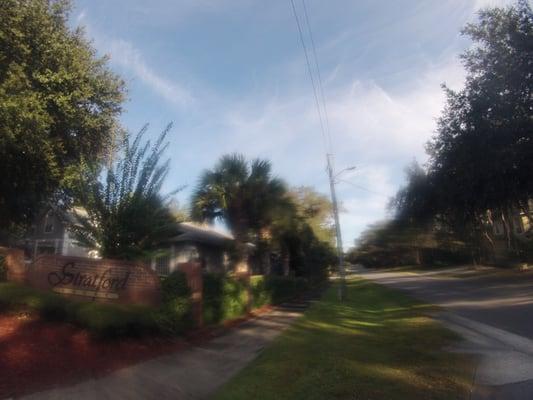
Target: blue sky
[[231, 75]]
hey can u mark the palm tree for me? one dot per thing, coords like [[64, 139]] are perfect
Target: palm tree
[[123, 213], [245, 195]]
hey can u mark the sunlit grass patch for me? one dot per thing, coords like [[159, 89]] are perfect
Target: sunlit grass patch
[[378, 344]]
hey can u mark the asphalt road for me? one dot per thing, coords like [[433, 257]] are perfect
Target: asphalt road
[[493, 313], [502, 300]]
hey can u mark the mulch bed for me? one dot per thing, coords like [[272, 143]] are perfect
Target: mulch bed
[[37, 355]]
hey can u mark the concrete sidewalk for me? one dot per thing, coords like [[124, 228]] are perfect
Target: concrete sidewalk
[[191, 374]]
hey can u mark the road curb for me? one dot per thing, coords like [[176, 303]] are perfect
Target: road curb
[[512, 340]]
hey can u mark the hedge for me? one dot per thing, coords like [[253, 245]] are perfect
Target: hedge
[[102, 320], [275, 289], [3, 269], [175, 314], [224, 298]]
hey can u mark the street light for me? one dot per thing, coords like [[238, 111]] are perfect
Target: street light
[[332, 177], [343, 171]]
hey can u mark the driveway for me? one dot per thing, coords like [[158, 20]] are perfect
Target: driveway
[[491, 309]]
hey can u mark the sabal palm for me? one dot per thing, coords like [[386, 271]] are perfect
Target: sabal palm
[[245, 195]]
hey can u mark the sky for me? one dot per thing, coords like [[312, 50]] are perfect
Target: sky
[[232, 77]]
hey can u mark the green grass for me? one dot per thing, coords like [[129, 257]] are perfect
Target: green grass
[[379, 344]]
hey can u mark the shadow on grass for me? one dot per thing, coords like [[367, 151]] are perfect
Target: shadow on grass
[[378, 344]]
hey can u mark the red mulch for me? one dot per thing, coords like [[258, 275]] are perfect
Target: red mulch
[[37, 355]]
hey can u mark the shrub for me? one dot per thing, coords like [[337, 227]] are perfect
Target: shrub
[[113, 320], [284, 288], [260, 294], [175, 314], [101, 320], [276, 289], [223, 298], [3, 269]]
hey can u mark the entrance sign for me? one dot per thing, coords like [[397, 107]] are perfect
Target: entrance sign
[[100, 280]]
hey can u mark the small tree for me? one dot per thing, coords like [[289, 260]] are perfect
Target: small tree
[[125, 215]]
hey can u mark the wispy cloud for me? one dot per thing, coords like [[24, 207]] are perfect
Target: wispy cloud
[[124, 54], [378, 130]]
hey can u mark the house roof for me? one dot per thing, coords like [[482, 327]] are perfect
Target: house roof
[[189, 231], [201, 233]]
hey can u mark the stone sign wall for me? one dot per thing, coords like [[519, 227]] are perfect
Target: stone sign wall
[[103, 280]]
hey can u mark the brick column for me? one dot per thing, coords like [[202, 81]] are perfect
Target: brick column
[[15, 265]]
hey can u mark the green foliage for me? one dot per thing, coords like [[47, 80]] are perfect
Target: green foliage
[[113, 321], [175, 314], [59, 104], [480, 158], [316, 210], [276, 289], [376, 344], [245, 195], [223, 298], [124, 214], [261, 296], [3, 269], [285, 288], [102, 320], [398, 243]]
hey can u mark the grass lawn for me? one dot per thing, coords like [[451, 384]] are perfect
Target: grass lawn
[[379, 344]]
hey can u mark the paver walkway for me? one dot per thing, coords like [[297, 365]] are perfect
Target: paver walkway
[[195, 373]]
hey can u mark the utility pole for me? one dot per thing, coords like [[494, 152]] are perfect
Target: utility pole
[[332, 176]]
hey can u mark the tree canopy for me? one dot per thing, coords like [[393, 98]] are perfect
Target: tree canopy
[[59, 104], [481, 157], [243, 194]]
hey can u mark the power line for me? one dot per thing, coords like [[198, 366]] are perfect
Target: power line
[[310, 71], [327, 146], [319, 76], [364, 188]]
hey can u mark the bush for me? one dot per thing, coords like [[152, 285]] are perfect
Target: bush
[[223, 298], [113, 320], [101, 320], [3, 269], [284, 288], [260, 294], [276, 289], [175, 313]]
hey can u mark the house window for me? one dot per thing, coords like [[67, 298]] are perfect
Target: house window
[[162, 265], [49, 222]]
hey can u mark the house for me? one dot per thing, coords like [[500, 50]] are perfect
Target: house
[[50, 234], [195, 242]]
